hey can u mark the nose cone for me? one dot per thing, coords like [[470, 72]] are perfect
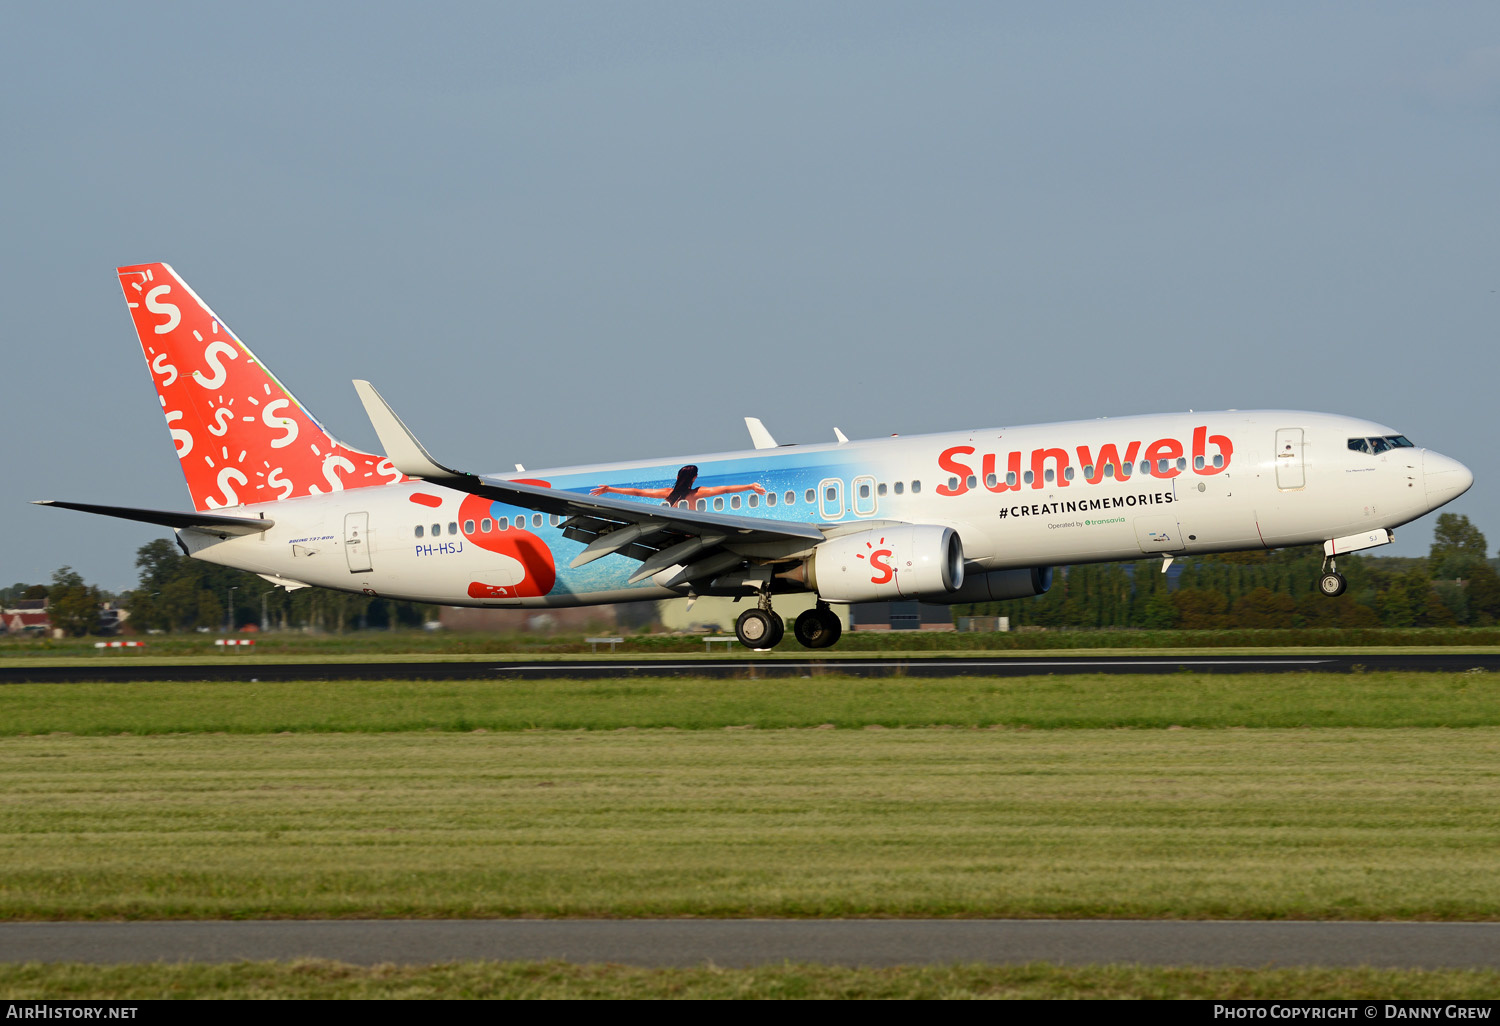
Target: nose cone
[[1446, 479]]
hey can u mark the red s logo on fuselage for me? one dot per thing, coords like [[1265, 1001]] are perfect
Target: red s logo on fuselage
[[878, 561]]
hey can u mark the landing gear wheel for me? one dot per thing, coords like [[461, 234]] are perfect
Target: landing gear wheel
[[818, 628], [778, 632], [759, 628], [1332, 584]]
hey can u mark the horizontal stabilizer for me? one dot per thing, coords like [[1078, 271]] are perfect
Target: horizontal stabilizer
[[215, 522]]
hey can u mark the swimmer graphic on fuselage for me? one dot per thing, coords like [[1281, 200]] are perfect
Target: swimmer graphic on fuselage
[[684, 492]]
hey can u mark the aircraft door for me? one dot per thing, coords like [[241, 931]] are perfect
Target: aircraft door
[[1290, 471], [357, 542], [865, 500], [831, 498]]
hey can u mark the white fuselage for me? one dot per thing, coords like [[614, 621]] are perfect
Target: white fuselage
[[1042, 495]]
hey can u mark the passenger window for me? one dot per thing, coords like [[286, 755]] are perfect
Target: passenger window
[[734, 502], [468, 527], [1048, 475], [453, 527], [1145, 466], [900, 487], [864, 491], [953, 484], [521, 521], [555, 519], [536, 520], [791, 498], [718, 502], [702, 505], [437, 529], [810, 495], [419, 530], [1218, 459], [1197, 462], [1162, 466], [880, 488], [1068, 473], [1109, 470], [486, 525], [1088, 471], [1010, 478], [830, 494], [972, 481], [754, 500], [770, 498], [916, 486], [990, 480], [1030, 477]]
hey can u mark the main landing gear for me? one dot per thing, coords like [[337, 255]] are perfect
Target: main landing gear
[[1332, 582], [761, 629], [818, 627]]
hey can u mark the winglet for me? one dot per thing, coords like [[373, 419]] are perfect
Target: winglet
[[836, 434], [401, 446], [758, 434]]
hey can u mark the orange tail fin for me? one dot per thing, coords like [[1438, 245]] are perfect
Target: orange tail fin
[[242, 438]]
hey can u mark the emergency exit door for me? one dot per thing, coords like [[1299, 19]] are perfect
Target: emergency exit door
[[1290, 469], [357, 542]]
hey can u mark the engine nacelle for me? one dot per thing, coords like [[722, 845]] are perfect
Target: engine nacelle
[[888, 563], [1001, 584]]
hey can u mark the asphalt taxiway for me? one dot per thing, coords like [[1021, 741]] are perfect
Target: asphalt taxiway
[[751, 666], [748, 942]]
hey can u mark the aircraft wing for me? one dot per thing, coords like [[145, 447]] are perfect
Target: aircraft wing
[[705, 544]]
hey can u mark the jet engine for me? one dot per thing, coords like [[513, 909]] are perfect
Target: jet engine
[[888, 563], [1000, 584]]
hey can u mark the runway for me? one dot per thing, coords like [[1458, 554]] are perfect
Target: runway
[[748, 942], [747, 666]]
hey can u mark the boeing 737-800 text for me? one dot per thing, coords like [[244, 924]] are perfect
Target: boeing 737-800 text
[[969, 516]]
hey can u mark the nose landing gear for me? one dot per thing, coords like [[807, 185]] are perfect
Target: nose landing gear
[[1332, 582]]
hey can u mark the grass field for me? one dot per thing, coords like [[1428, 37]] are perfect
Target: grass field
[[470, 980], [1368, 796], [1372, 796], [1272, 700]]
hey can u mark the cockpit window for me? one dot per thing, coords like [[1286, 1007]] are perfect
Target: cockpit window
[[1374, 446]]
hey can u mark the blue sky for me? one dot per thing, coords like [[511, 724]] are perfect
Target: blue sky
[[575, 232]]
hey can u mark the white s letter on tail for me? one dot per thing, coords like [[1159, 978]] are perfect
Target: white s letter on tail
[[269, 418], [225, 486], [330, 474], [161, 366], [174, 315], [182, 439], [211, 357]]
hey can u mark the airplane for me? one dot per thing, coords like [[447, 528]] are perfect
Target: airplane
[[967, 516]]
